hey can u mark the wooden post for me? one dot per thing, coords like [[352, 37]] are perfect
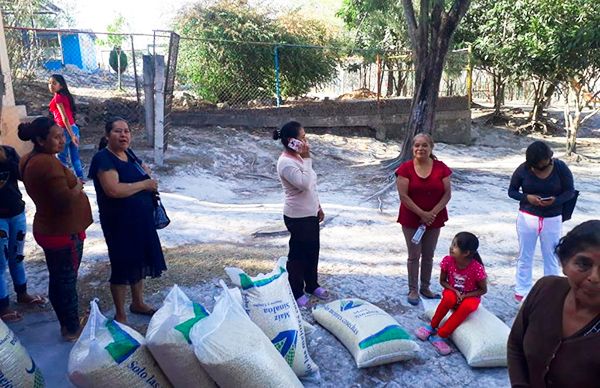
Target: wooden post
[[159, 109], [378, 77], [470, 76], [148, 71]]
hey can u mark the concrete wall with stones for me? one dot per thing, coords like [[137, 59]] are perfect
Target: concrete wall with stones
[[387, 118]]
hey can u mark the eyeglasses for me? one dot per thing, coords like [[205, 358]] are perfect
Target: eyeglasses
[[542, 168]]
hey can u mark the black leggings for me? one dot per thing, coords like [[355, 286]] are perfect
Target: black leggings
[[303, 257]]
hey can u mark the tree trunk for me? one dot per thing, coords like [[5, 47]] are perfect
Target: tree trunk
[[573, 123], [499, 84], [430, 39], [536, 111], [390, 79]]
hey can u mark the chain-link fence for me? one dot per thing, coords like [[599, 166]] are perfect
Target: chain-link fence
[[103, 71], [225, 74]]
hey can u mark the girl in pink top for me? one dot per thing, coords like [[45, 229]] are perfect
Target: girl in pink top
[[62, 107], [464, 280]]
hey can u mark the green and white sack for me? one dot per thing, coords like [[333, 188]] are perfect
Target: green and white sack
[[109, 354], [370, 334], [168, 338], [235, 352], [17, 368], [481, 338], [268, 300]]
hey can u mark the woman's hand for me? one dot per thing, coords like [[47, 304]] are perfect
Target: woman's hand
[[78, 185], [75, 140], [151, 185], [535, 200], [321, 215], [305, 151], [547, 202], [428, 217]]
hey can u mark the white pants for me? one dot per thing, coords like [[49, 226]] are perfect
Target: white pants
[[529, 228]]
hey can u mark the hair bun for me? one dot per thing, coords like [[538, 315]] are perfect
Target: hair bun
[[25, 131], [276, 134]]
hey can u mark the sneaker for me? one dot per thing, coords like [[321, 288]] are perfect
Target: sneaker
[[321, 293], [441, 345], [303, 301], [424, 332], [426, 293], [519, 298]]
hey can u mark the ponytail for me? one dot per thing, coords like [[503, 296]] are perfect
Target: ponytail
[[477, 257]]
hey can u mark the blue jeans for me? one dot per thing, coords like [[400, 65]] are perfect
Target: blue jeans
[[73, 151], [12, 242]]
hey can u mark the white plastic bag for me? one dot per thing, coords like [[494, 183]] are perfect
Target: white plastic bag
[[169, 341], [235, 352], [370, 334], [17, 368], [109, 354], [268, 300], [481, 338]]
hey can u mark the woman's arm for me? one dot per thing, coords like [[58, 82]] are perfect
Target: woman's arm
[[402, 186], [481, 290], [518, 371], [300, 179], [445, 198], [515, 185], [68, 124], [109, 180]]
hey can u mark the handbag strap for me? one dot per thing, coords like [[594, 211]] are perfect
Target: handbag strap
[[138, 162]]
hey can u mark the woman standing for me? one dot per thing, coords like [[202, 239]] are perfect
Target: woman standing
[[62, 215], [542, 185], [13, 227], [302, 212], [62, 107], [124, 192], [555, 339], [424, 188]]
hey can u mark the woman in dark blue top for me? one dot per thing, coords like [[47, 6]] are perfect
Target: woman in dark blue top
[[542, 185], [125, 194]]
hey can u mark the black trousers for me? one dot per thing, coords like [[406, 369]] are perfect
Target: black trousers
[[303, 257], [63, 265]]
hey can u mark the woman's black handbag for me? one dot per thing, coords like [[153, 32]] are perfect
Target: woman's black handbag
[[569, 206], [161, 219]]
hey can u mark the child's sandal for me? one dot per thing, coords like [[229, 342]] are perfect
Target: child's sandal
[[424, 332], [441, 345]]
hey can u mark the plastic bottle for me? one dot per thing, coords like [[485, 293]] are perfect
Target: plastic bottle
[[416, 238]]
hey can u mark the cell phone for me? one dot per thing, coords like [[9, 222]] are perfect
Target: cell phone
[[295, 144], [545, 199]]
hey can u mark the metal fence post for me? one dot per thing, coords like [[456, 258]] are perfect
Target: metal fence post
[[277, 79], [159, 109]]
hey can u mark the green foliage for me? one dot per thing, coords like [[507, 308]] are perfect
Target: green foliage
[[223, 70], [117, 27], [113, 60]]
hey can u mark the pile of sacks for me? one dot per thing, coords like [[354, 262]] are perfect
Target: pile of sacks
[[254, 337]]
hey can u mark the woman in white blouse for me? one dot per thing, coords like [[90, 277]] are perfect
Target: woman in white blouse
[[302, 212]]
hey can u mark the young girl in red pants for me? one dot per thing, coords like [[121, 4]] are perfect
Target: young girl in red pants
[[464, 280]]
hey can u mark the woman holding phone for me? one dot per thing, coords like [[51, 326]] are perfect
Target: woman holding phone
[[302, 212], [542, 185]]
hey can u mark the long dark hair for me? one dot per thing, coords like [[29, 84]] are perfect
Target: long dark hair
[[64, 90], [35, 130], [583, 236], [467, 241], [536, 152], [290, 130]]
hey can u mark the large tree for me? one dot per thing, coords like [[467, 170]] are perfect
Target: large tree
[[430, 28]]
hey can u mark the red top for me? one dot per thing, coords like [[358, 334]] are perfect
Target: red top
[[425, 192], [61, 99], [464, 280]]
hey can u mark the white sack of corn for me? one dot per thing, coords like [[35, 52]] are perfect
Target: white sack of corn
[[481, 338], [109, 354], [235, 352], [168, 338], [268, 300], [17, 368], [370, 334]]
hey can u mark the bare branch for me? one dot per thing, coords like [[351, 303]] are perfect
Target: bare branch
[[411, 22], [456, 13], [589, 116]]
